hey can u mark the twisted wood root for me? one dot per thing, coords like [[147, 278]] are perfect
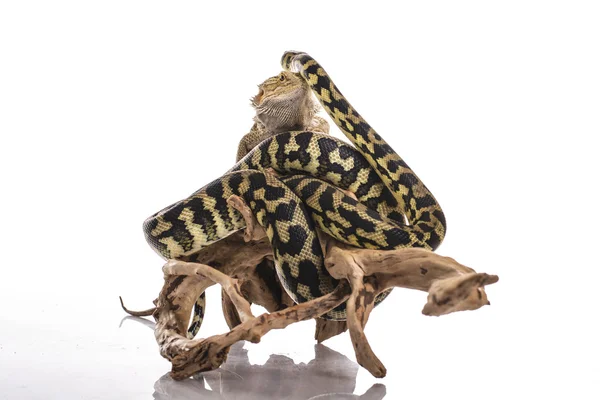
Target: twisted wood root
[[191, 356], [242, 265], [451, 287]]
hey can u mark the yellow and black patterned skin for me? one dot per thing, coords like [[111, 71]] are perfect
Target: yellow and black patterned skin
[[205, 217], [424, 214], [394, 208]]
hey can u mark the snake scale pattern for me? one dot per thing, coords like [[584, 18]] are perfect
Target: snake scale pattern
[[394, 208]]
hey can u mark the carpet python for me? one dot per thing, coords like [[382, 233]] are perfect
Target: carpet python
[[394, 208]]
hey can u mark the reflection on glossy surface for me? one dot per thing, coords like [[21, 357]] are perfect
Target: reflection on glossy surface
[[141, 320], [330, 375]]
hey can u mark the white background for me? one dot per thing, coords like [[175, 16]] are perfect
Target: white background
[[111, 110]]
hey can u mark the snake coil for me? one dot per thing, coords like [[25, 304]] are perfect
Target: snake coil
[[394, 208]]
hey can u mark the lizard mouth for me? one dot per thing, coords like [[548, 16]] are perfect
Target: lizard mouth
[[258, 98]]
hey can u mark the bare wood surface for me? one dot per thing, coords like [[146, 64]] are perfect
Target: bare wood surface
[[327, 329], [231, 286], [191, 356], [144, 313], [232, 317], [451, 287], [358, 306], [253, 230]]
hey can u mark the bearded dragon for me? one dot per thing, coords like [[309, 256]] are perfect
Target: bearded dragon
[[284, 103]]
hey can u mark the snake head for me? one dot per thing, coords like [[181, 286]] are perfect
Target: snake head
[[290, 61]]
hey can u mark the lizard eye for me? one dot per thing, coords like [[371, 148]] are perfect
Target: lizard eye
[[282, 77]]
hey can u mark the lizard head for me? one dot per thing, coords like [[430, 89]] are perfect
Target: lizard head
[[284, 102]]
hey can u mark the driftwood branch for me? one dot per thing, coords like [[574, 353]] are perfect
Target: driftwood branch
[[451, 287], [191, 356], [144, 313], [327, 329], [242, 265]]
